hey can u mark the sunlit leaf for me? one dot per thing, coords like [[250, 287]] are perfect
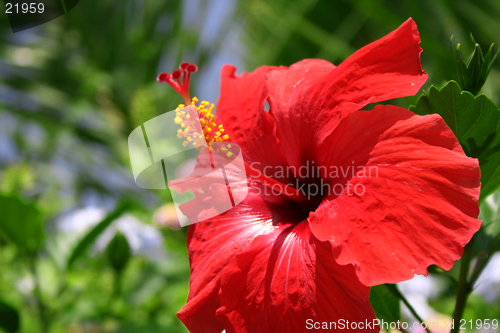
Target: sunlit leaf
[[385, 303]]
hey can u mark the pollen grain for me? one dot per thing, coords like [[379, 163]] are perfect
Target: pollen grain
[[211, 131]]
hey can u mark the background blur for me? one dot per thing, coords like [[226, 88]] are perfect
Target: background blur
[[86, 252]]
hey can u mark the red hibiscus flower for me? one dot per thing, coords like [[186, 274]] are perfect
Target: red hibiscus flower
[[272, 264]]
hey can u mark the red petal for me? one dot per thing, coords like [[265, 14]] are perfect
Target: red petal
[[241, 111], [387, 68], [236, 246], [286, 278], [288, 88], [308, 98], [420, 210], [212, 244]]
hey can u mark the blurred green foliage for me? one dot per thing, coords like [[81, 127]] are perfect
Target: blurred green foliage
[[73, 89]]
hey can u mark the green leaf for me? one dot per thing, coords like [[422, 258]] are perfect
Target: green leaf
[[475, 122], [89, 239], [21, 223], [461, 65], [9, 318], [385, 303], [473, 72], [118, 252], [485, 68]]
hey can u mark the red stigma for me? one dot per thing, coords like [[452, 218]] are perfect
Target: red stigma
[[163, 77], [191, 68], [179, 79], [176, 74]]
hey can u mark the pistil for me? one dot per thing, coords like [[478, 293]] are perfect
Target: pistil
[[179, 79]]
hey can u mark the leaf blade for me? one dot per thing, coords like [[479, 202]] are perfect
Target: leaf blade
[[89, 239], [385, 303]]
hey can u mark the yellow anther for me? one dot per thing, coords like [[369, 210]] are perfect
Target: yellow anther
[[211, 131]]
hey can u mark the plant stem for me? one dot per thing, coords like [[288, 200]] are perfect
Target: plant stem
[[42, 308], [464, 286], [396, 292], [481, 263]]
